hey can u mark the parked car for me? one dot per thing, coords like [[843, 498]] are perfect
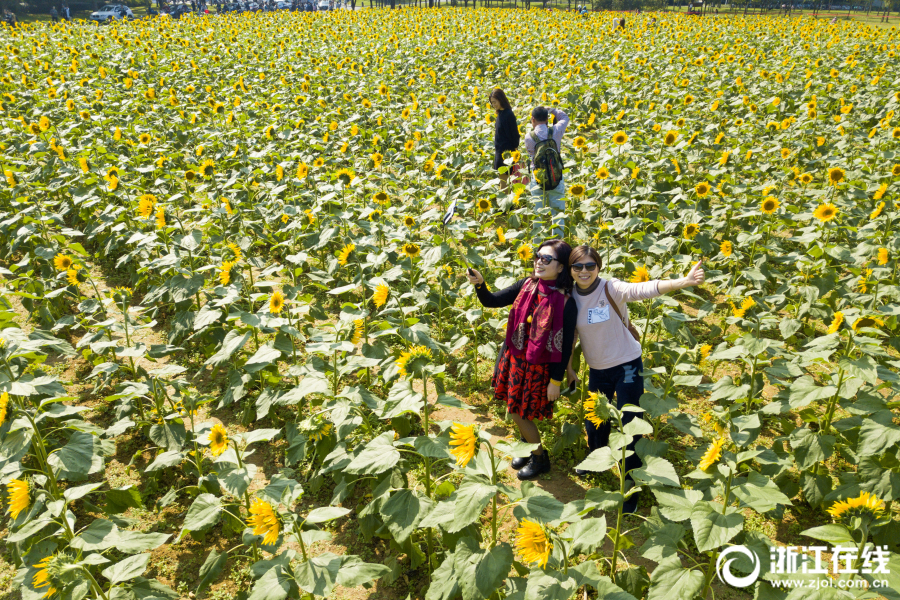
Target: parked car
[[179, 10], [323, 5], [283, 5], [111, 12]]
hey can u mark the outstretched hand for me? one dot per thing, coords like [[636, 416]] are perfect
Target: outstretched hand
[[475, 279], [696, 276]]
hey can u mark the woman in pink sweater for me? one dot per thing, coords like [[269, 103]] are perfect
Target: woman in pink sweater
[[610, 350]]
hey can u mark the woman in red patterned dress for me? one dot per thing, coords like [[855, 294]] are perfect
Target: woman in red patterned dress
[[539, 336]]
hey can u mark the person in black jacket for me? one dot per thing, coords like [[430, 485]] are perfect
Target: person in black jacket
[[540, 333], [506, 131]]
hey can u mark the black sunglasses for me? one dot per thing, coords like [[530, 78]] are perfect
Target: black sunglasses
[[545, 259], [578, 267]]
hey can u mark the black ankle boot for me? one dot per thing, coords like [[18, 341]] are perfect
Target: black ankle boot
[[537, 464], [519, 462]]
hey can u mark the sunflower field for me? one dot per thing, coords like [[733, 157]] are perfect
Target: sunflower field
[[239, 356]]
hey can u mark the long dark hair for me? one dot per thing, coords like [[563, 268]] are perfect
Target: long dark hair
[[564, 281], [500, 96]]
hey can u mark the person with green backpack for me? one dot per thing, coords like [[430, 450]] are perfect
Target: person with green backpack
[[547, 187]]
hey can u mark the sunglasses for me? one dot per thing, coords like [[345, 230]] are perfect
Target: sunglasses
[[544, 259], [578, 267]]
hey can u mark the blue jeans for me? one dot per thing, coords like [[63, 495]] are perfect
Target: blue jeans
[[625, 382], [551, 205]]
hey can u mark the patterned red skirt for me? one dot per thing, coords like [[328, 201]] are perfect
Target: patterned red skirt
[[523, 387]]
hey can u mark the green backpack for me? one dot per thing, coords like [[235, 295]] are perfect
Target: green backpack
[[548, 165]]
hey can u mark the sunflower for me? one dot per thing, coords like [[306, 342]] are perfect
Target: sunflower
[[524, 252], [377, 158], [670, 138], [705, 349], [691, 230], [319, 162], [410, 249], [532, 543], [18, 496], [874, 322], [501, 238], [345, 176], [785, 153], [264, 521], [302, 171], [4, 405], [579, 142], [381, 295], [358, 331], [895, 170], [806, 178], [864, 503], [882, 260], [144, 138], [702, 189], [877, 212], [835, 175], [836, 322], [409, 221], [276, 302], [83, 163], [160, 218], [218, 439], [602, 173], [726, 248], [879, 193], [590, 409], [826, 212], [208, 168], [225, 272], [47, 568], [577, 190], [640, 275], [62, 262], [769, 205], [688, 100], [344, 254], [712, 454], [483, 205], [279, 172], [381, 197], [190, 175], [320, 430], [411, 359], [464, 438], [619, 138]]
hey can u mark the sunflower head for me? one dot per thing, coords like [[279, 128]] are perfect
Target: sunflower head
[[410, 249], [344, 254], [726, 248], [218, 439], [595, 410], [712, 454], [524, 252], [864, 505], [691, 230], [381, 197], [871, 322], [579, 142], [484, 205], [276, 302], [619, 138], [144, 138], [208, 168], [640, 275], [464, 439], [409, 221], [826, 212], [414, 361], [806, 178], [19, 494], [702, 189], [602, 173], [670, 138], [381, 295], [345, 176], [264, 521], [577, 190], [895, 170], [62, 262], [769, 205], [532, 543], [835, 175]]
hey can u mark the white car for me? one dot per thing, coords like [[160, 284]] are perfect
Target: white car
[[282, 5], [323, 5], [111, 12]]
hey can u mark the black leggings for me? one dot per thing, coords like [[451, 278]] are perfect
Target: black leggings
[[625, 382]]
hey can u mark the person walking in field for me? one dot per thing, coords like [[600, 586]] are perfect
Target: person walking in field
[[547, 186], [506, 132]]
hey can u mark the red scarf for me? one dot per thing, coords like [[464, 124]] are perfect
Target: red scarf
[[541, 339]]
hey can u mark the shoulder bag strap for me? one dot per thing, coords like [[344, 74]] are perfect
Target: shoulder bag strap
[[613, 304]]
